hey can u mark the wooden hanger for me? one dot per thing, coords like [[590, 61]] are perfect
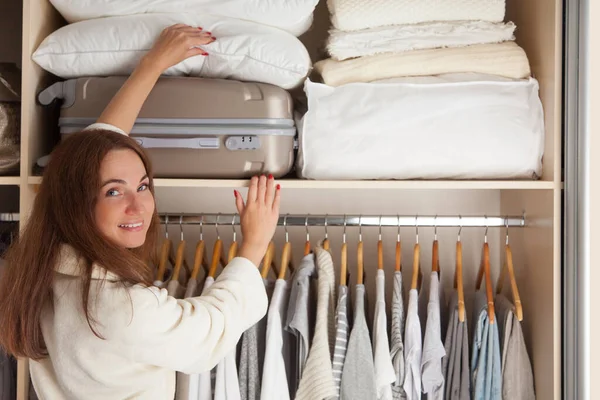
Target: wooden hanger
[[398, 266], [416, 276], [326, 240], [165, 253], [268, 262], [344, 258], [307, 243], [232, 253], [217, 256], [379, 248], [484, 271], [435, 253], [199, 259], [286, 254], [508, 267], [458, 279], [359, 255], [180, 257]]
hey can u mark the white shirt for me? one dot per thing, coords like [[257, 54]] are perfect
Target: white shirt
[[148, 335], [275, 380], [412, 348], [432, 376], [385, 374]]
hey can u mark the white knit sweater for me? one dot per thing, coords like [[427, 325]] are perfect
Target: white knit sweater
[[148, 335]]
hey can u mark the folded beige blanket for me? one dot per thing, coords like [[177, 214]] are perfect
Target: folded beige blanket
[[503, 59]]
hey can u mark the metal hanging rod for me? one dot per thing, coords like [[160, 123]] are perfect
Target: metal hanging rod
[[9, 217], [356, 220]]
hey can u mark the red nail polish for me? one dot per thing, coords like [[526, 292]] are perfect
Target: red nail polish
[[235, 193], [199, 28], [278, 186], [208, 33], [204, 54], [270, 176], [213, 38]]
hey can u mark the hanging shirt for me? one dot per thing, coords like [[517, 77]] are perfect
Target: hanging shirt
[[455, 364], [413, 348], [432, 377], [227, 386], [342, 333], [186, 387], [385, 374], [190, 333], [397, 343], [517, 376], [252, 356], [277, 353], [205, 386], [486, 372], [301, 313], [358, 376], [317, 377]]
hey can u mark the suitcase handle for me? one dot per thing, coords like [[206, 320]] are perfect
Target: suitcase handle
[[193, 143]]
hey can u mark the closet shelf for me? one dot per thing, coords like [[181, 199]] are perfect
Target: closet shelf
[[349, 184], [10, 180]]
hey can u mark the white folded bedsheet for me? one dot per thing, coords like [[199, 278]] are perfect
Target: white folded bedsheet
[[457, 126], [342, 45], [293, 16], [351, 15], [504, 59], [243, 50]]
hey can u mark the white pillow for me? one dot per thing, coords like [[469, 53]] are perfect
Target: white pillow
[[244, 51], [294, 16]]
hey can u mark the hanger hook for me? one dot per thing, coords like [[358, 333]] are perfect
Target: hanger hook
[[506, 230], [485, 238], [360, 228], [201, 226], [217, 226], [167, 226], [344, 234], [326, 235], [417, 229], [380, 217], [435, 227], [398, 228], [306, 227], [285, 227], [233, 228], [181, 226], [459, 226]]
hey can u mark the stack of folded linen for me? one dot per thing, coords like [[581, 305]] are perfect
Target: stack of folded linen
[[256, 39], [422, 89]]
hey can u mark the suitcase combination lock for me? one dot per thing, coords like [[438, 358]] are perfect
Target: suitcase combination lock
[[242, 143]]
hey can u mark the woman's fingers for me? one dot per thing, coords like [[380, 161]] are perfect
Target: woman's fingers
[[277, 199], [262, 189], [253, 190], [239, 202], [270, 191]]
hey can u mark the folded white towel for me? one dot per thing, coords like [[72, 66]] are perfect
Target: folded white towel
[[342, 45], [504, 59], [350, 15]]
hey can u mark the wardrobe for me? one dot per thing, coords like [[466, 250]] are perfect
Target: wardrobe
[[536, 247]]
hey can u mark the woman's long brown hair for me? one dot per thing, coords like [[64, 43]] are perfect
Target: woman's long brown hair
[[63, 213]]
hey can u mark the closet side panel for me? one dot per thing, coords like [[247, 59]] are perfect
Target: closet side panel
[[539, 32], [538, 276]]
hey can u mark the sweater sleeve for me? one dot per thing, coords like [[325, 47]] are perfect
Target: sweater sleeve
[[107, 127], [192, 335]]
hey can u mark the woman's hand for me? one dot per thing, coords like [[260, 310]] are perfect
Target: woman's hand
[[175, 44], [258, 217]]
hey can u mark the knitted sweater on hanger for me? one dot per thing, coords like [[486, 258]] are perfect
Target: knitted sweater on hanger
[[317, 379]]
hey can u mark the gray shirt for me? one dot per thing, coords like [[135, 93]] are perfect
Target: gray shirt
[[455, 364], [358, 376]]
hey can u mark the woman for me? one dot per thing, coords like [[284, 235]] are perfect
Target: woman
[[78, 298]]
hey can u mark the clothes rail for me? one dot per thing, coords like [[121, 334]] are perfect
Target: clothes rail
[[9, 217], [456, 221]]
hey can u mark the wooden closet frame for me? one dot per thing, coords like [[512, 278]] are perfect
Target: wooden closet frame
[[536, 249]]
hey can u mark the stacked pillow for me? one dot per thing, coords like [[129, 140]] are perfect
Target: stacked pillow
[[249, 47]]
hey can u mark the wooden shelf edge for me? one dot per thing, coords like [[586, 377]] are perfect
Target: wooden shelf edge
[[311, 184], [10, 180]]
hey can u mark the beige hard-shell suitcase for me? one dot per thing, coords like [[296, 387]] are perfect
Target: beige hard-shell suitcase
[[194, 127]]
